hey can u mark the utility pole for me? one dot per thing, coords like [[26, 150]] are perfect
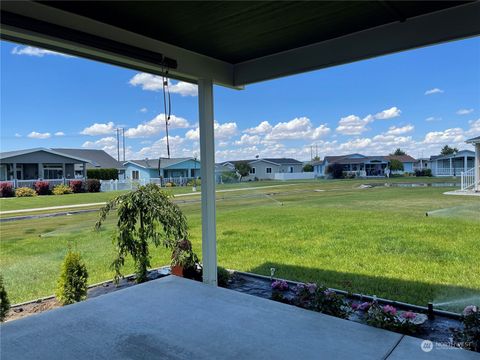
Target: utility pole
[[123, 142], [118, 144]]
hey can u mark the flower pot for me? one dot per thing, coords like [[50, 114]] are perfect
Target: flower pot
[[177, 270]]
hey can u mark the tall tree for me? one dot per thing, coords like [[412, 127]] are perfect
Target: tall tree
[[243, 169], [399, 152], [447, 150]]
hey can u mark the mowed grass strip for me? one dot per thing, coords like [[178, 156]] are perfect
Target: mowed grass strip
[[375, 241]]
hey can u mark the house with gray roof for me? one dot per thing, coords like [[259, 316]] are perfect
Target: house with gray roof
[[363, 165], [39, 163], [266, 168]]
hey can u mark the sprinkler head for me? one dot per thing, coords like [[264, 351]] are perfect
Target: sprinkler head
[[430, 313]]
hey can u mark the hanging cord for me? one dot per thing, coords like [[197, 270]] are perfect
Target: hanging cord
[[167, 106]]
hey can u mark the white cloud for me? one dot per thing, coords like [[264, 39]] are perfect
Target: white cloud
[[434, 91], [143, 110], [454, 135], [474, 128], [59, 133], [222, 131], [298, 128], [394, 130], [159, 148], [37, 135], [106, 141], [17, 135], [33, 51], [388, 113], [356, 144], [263, 128], [156, 125], [464, 111], [353, 125], [432, 118], [109, 145], [151, 82], [248, 140], [99, 129]]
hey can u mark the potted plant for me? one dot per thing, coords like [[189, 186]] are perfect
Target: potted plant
[[185, 261]]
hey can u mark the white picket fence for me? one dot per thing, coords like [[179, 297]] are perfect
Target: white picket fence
[[117, 185], [468, 179], [294, 176]]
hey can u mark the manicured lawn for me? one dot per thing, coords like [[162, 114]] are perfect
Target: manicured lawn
[[377, 241]]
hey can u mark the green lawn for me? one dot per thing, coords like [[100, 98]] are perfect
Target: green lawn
[[376, 241]]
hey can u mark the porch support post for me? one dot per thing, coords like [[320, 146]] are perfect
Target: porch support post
[[477, 167], [451, 170], [465, 163], [207, 171]]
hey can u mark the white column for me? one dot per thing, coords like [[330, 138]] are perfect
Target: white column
[[477, 167], [207, 171], [465, 163], [451, 170]]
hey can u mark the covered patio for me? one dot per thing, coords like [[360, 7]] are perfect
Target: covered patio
[[230, 44]]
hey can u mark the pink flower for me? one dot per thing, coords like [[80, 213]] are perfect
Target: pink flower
[[364, 306], [355, 306], [311, 287], [281, 285], [470, 310], [329, 292], [409, 315], [388, 309]]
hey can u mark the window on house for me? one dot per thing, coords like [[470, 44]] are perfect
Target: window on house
[[135, 175], [252, 170], [268, 170]]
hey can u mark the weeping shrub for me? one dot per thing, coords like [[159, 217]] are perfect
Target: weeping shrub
[[4, 302], [145, 216], [72, 284]]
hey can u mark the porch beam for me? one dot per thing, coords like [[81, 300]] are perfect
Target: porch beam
[[207, 170]]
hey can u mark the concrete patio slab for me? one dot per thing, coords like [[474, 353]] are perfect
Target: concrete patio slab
[[174, 318]]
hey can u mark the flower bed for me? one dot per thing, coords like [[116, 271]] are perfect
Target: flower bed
[[461, 331]]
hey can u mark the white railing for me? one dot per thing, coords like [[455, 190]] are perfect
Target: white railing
[[448, 171], [31, 183], [468, 179], [118, 185], [294, 176]]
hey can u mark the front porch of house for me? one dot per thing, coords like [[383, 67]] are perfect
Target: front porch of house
[[454, 164], [148, 321]]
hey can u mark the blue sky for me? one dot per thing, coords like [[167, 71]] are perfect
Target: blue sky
[[417, 100]]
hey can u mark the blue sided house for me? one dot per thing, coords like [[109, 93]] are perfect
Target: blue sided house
[[148, 169]]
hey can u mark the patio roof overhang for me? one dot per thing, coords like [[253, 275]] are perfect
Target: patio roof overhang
[[233, 44]]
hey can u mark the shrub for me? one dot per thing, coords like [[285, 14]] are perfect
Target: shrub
[[62, 190], [42, 187], [72, 284], [6, 190], [196, 182], [223, 276], [321, 299], [396, 165], [25, 192], [93, 185], [335, 170], [102, 174], [76, 186], [4, 302], [387, 317], [469, 337], [423, 172], [308, 168]]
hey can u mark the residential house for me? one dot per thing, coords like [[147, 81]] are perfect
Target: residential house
[[471, 177], [266, 168], [364, 165], [22, 167], [452, 164], [99, 159], [422, 164], [148, 169]]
